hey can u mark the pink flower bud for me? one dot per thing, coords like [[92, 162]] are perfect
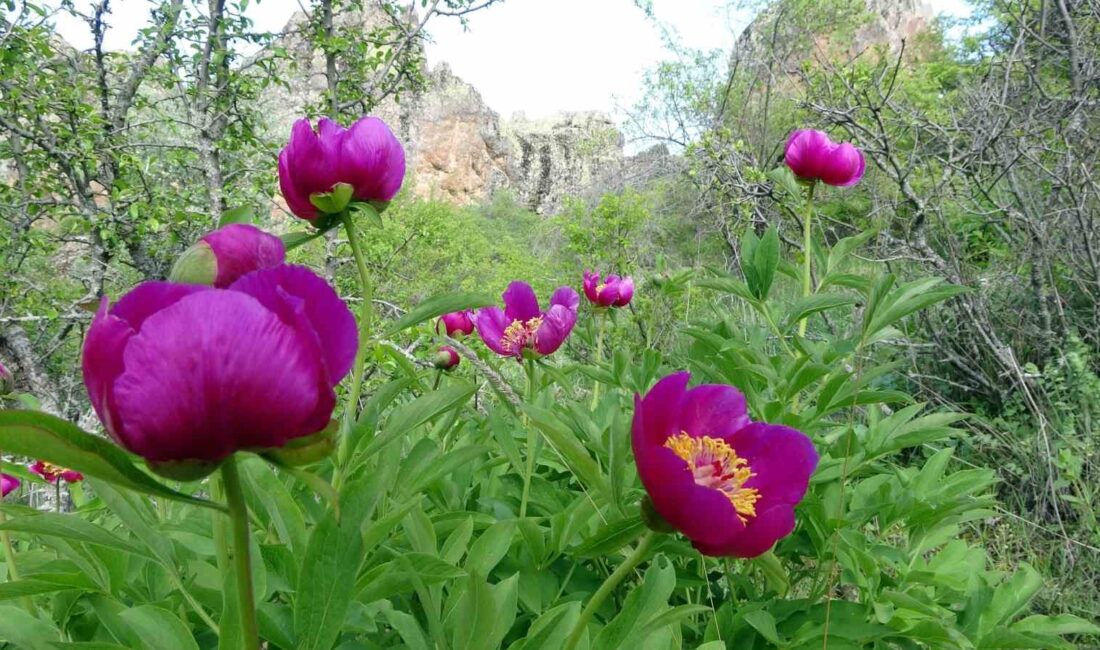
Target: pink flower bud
[[446, 358], [812, 156], [366, 156], [222, 256], [457, 322]]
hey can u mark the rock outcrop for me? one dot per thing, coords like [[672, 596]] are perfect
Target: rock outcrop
[[458, 148]]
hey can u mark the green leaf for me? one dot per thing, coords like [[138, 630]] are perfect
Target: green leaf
[[810, 305], [33, 587], [43, 436], [75, 528], [566, 442], [292, 240], [766, 261], [25, 631], [774, 572], [427, 407], [611, 537], [326, 583], [276, 501], [239, 214], [764, 623], [409, 629], [391, 578], [490, 548], [437, 306], [551, 629], [159, 628], [1056, 625], [728, 285], [644, 603], [361, 211], [474, 616]]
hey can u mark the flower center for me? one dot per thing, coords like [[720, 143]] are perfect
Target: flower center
[[520, 334], [715, 465], [50, 471]]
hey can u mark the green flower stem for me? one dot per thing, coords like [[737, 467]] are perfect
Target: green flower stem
[[532, 438], [366, 316], [599, 356], [628, 565], [242, 561], [807, 251]]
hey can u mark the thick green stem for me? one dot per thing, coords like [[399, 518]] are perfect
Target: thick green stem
[[242, 560], [366, 316], [532, 438], [807, 251], [608, 586], [599, 357]]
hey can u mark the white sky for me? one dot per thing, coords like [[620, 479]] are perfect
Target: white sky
[[535, 56]]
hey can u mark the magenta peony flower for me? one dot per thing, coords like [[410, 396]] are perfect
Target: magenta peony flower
[[222, 256], [522, 327], [612, 292], [184, 372], [366, 156], [446, 358], [52, 473], [812, 156], [8, 483], [728, 484], [460, 322]]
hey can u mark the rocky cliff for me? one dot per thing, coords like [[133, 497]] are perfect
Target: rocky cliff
[[458, 148]]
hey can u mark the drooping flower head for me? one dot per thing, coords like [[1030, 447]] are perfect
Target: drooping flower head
[[186, 373], [812, 156], [522, 327], [728, 484], [221, 257], [366, 156], [7, 382], [446, 358], [613, 291], [53, 473], [456, 322], [8, 483]]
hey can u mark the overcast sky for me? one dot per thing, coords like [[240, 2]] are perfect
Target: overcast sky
[[535, 56]]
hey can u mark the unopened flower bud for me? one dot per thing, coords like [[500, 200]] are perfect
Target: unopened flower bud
[[446, 358]]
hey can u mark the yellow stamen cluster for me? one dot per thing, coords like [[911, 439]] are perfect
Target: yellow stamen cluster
[[520, 334], [714, 464]]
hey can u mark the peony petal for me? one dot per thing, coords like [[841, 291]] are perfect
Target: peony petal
[[806, 152], [760, 534], [330, 317], [491, 323], [657, 415], [591, 281], [214, 373], [714, 410], [241, 248], [844, 166], [555, 328], [698, 512], [148, 298], [566, 297], [520, 302], [296, 201], [626, 292], [372, 160], [101, 362], [782, 461], [8, 484]]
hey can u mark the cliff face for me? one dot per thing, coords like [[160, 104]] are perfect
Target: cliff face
[[459, 149]]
